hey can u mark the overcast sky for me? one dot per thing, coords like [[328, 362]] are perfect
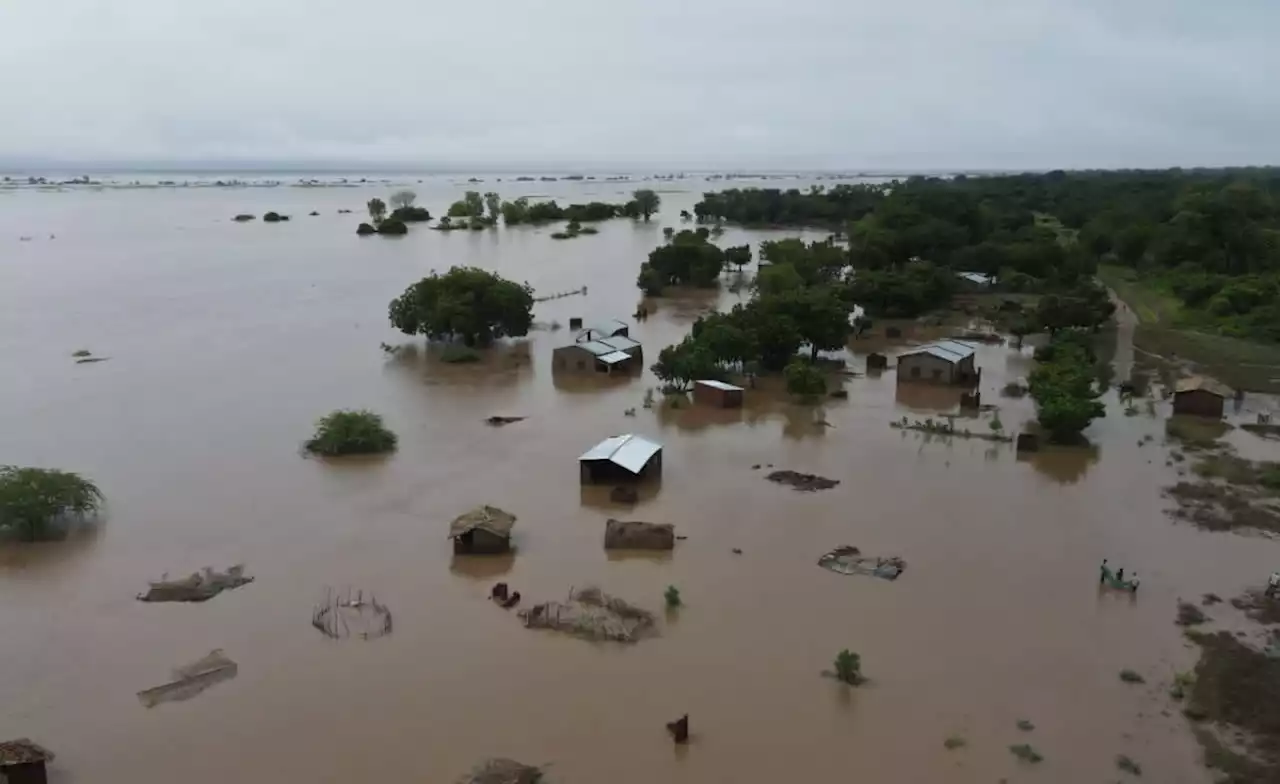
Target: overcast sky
[[860, 84]]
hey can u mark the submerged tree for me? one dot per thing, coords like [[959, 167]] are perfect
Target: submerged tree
[[404, 198], [377, 210], [804, 379], [849, 667], [647, 202], [466, 303], [351, 433], [33, 501]]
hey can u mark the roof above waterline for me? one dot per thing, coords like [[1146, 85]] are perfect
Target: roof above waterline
[[620, 342], [629, 451], [614, 358], [706, 382], [596, 347], [949, 350], [1203, 383]]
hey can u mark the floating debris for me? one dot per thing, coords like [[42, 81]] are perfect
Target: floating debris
[[22, 751], [91, 360], [802, 482], [504, 771], [499, 421], [1190, 615], [591, 614], [637, 535], [192, 679], [679, 729], [341, 616], [198, 587], [849, 560]]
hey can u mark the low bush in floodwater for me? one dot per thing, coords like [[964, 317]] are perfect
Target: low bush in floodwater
[[672, 596], [1129, 676], [351, 433], [1127, 765], [456, 353], [1026, 752], [33, 501], [848, 667]]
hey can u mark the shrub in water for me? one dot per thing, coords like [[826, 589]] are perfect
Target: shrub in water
[[672, 595], [351, 433], [849, 667], [34, 500], [1129, 676]]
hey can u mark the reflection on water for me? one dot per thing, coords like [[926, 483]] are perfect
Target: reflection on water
[[482, 567], [1064, 464], [599, 496]]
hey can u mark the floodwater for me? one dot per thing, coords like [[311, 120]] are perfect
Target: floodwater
[[226, 341]]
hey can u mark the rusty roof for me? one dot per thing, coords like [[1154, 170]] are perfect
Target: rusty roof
[[1205, 383], [498, 522], [23, 751]]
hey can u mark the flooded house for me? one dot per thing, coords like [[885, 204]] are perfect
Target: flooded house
[[979, 280], [1200, 396], [23, 762], [717, 394], [485, 530], [943, 362], [606, 355], [620, 459]]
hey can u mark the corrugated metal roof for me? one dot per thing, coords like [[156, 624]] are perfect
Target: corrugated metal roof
[[976, 277], [629, 451], [949, 350], [596, 347], [611, 326], [719, 385], [1203, 382], [614, 357], [620, 342]]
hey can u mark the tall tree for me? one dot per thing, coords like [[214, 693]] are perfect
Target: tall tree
[[647, 201], [465, 303]]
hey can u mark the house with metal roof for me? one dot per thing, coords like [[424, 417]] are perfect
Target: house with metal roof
[[979, 279], [620, 459], [941, 362], [606, 329], [606, 355], [717, 394]]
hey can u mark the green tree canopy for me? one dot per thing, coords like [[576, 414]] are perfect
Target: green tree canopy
[[466, 303], [33, 501], [647, 201], [688, 259]]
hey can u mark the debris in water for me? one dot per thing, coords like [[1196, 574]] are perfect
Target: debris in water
[[1210, 599], [1127, 765], [591, 614], [737, 551], [84, 352], [1129, 676], [1025, 725], [341, 616], [637, 535], [504, 771], [192, 679], [91, 360], [1190, 615], [198, 587], [679, 729], [954, 742], [849, 560], [499, 421], [624, 495], [1026, 753], [503, 598], [22, 751], [802, 482]]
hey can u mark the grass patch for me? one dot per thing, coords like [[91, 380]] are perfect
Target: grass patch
[[1026, 752], [1129, 676], [1025, 725], [351, 433], [1196, 433], [1214, 506], [1190, 615], [1238, 688], [1149, 303]]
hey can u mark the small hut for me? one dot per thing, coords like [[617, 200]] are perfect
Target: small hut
[[877, 362], [485, 530], [621, 459], [22, 761], [1200, 396], [717, 394]]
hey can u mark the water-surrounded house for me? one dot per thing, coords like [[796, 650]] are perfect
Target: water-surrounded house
[[23, 762], [621, 459], [943, 362], [1200, 396], [606, 355], [718, 394], [606, 329], [485, 530]]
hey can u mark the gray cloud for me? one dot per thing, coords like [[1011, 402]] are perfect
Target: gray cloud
[[672, 83]]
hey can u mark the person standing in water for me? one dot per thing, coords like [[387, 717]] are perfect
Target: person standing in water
[[1102, 572]]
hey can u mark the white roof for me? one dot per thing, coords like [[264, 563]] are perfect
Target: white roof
[[614, 358], [950, 350], [619, 342], [596, 347], [718, 385], [980, 278], [629, 451]]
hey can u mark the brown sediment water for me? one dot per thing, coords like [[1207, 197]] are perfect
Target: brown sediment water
[[229, 339]]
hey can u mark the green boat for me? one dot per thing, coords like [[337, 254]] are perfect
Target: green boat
[[1109, 579]]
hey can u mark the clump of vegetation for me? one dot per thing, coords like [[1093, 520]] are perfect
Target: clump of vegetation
[[1026, 752], [274, 217], [392, 227], [688, 260], [351, 433], [1190, 615], [410, 214], [243, 217], [1196, 433], [804, 379], [365, 229], [672, 597], [35, 501], [1062, 386], [466, 303], [954, 742], [457, 354], [84, 352], [645, 202], [1025, 725], [1127, 765], [1129, 676], [848, 667]]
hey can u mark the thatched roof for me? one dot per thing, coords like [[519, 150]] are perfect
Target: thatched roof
[[22, 751], [485, 518], [1205, 383]]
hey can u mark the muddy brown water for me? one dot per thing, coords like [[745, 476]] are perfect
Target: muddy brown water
[[227, 340]]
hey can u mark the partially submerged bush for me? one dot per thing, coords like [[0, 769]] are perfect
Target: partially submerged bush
[[365, 229], [672, 595], [849, 667], [804, 379], [456, 353], [274, 217], [1124, 763], [351, 433], [393, 227], [954, 742], [34, 500], [1026, 752], [1129, 676]]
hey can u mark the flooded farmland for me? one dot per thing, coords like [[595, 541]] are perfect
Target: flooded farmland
[[224, 342]]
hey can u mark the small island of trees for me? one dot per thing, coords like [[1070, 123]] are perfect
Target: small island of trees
[[36, 503], [351, 433], [465, 304]]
